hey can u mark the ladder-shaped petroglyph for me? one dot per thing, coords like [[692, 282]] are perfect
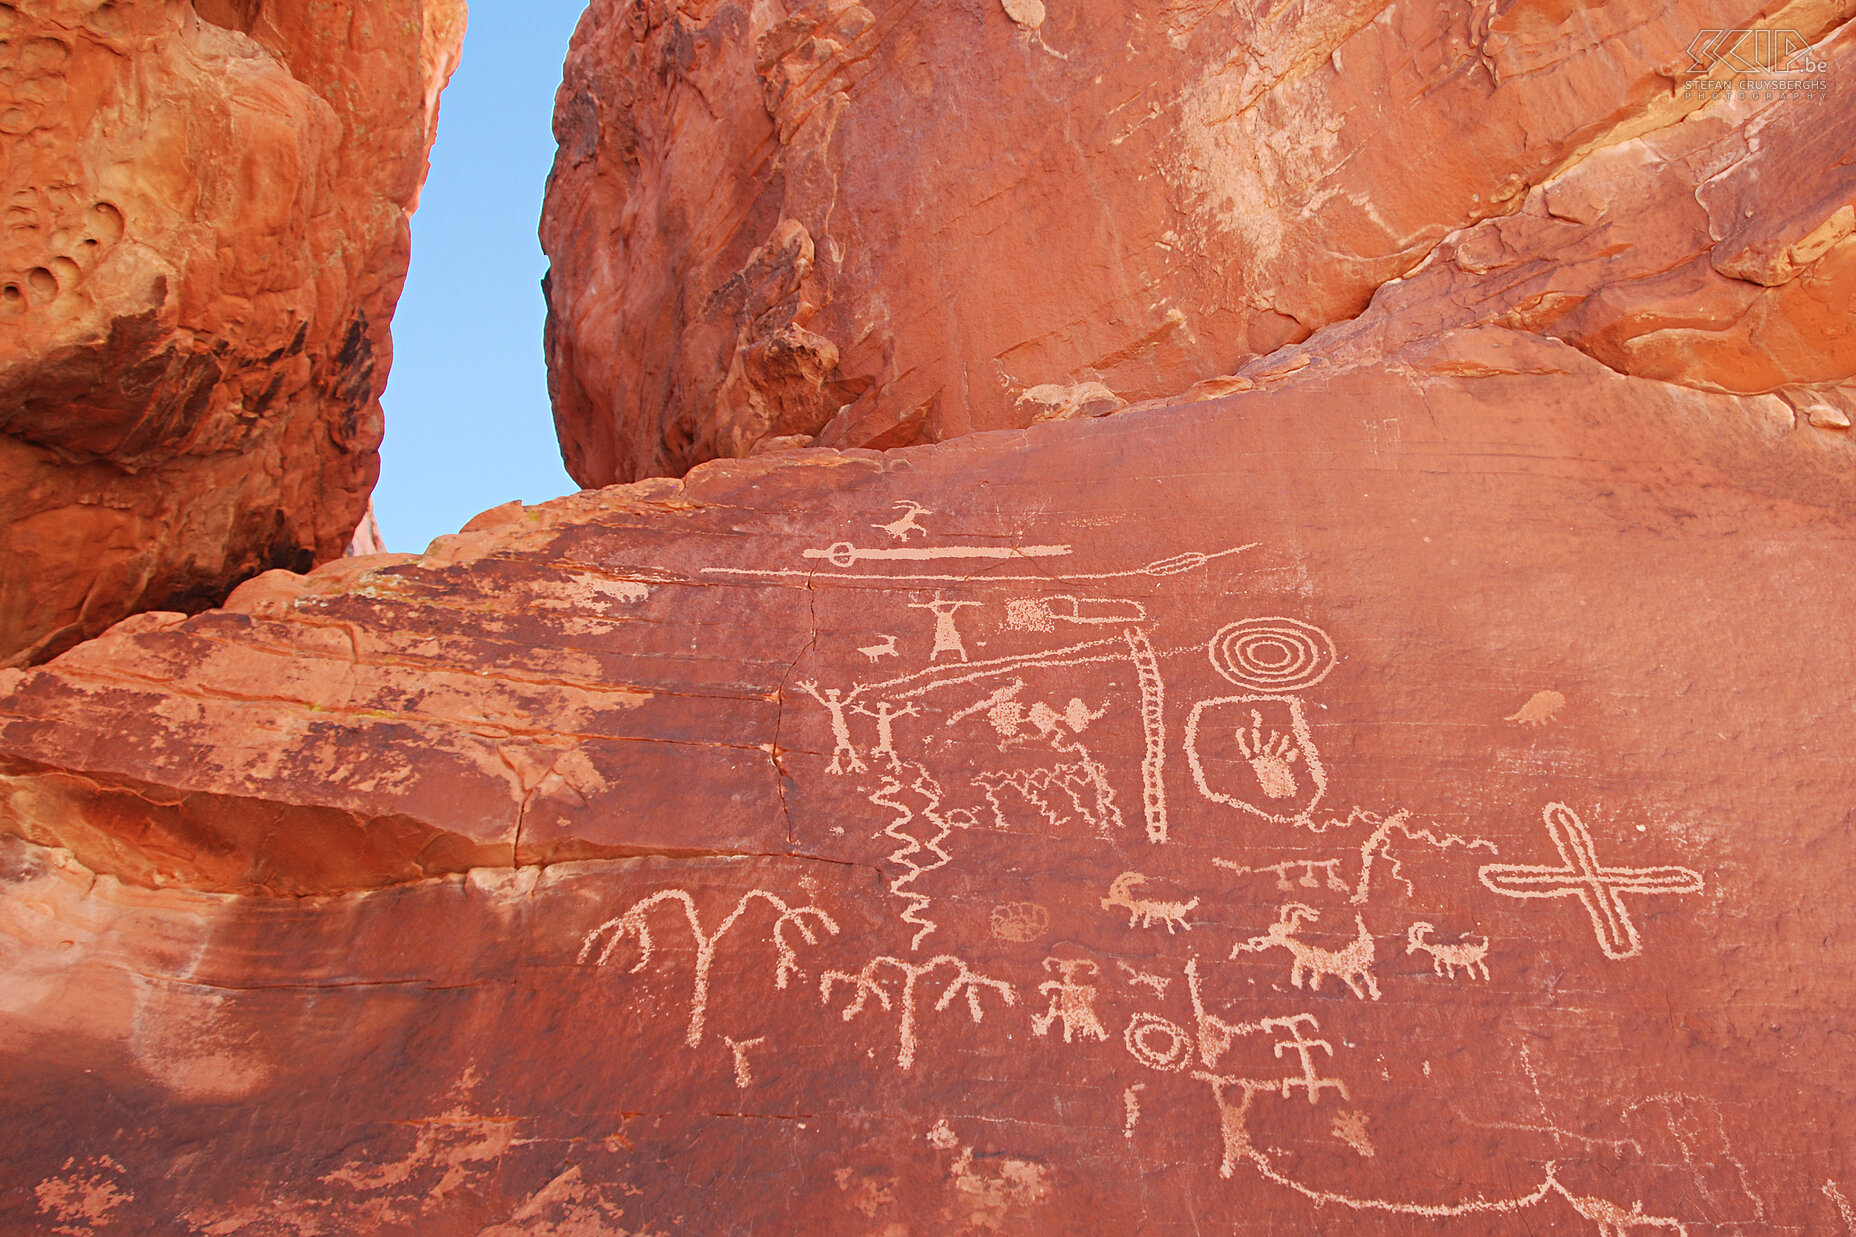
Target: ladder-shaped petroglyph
[[634, 924], [1144, 910], [1352, 965], [1446, 957], [917, 856], [1580, 875], [1072, 1000], [1153, 732], [867, 983]]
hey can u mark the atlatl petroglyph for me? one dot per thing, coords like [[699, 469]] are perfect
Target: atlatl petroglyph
[[1352, 965], [867, 984], [1446, 957], [1121, 895], [1580, 875], [634, 923], [1072, 1000]]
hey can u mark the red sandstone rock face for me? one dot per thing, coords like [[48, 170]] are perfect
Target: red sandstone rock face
[[1408, 797], [205, 233], [869, 225]]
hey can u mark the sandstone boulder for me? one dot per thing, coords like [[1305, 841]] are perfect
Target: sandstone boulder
[[205, 234], [1407, 796], [870, 224]]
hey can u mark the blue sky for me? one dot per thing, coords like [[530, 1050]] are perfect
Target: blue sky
[[468, 424]]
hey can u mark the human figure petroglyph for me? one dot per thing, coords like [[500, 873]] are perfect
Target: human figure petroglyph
[[946, 633], [1352, 965], [886, 714], [1072, 1000], [1304, 1048], [910, 521], [842, 747], [633, 923], [1580, 875], [1445, 958], [1121, 894], [885, 647], [866, 984]]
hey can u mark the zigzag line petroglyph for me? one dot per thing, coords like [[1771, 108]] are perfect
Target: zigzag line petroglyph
[[1153, 732], [1352, 965], [909, 849], [1083, 782], [1120, 894], [1598, 888], [1175, 565], [867, 985], [634, 923]]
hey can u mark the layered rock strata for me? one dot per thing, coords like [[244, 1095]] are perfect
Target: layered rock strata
[[877, 224], [206, 230]]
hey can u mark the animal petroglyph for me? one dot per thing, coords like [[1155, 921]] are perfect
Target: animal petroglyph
[[634, 923], [946, 633], [886, 647], [1275, 655], [910, 521], [1266, 751], [744, 1077], [844, 554], [1121, 894], [1580, 875], [1352, 965], [1446, 958], [866, 985], [844, 758], [1539, 709], [1072, 1000]]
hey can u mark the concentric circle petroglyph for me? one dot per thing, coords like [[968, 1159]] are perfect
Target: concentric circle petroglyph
[[1272, 654], [1158, 1043]]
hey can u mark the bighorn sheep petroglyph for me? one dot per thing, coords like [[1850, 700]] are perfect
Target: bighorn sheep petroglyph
[[1446, 958], [1352, 965], [1121, 893]]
